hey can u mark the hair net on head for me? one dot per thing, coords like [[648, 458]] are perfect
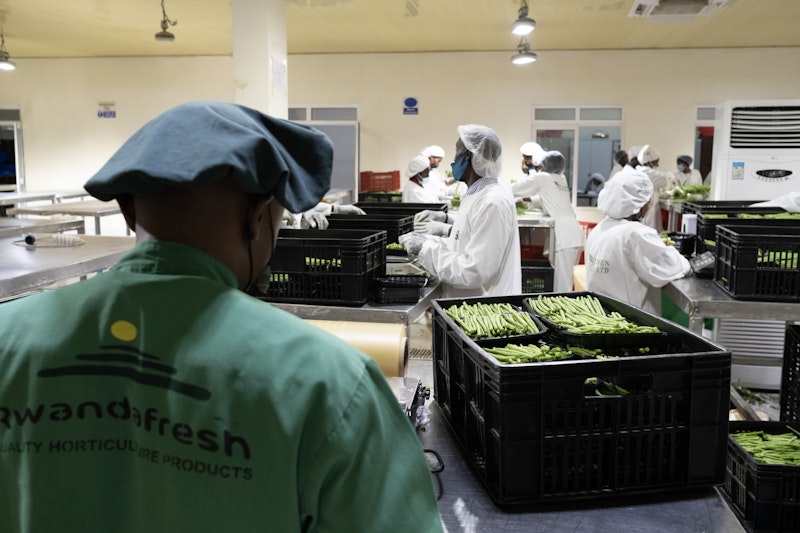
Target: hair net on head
[[625, 194], [433, 151], [484, 144], [204, 142], [554, 162], [648, 154], [634, 152], [685, 159], [417, 165], [530, 149], [619, 155]]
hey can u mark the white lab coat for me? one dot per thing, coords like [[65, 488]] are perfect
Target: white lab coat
[[616, 168], [415, 193], [553, 193], [437, 184], [481, 257], [693, 177], [660, 180], [627, 260]]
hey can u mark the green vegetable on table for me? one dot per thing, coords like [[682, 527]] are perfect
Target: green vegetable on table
[[783, 259], [481, 320], [584, 315], [394, 246], [774, 449], [323, 264]]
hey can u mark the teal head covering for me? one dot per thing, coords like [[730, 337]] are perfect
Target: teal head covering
[[204, 142]]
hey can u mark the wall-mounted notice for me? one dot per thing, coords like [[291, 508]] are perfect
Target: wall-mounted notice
[[410, 106], [106, 110]]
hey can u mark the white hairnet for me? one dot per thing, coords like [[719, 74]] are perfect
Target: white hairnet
[[648, 154], [530, 148], [433, 151], [625, 194], [484, 144], [554, 162], [417, 165], [634, 152]]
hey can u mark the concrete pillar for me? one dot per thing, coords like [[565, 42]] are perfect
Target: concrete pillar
[[259, 56]]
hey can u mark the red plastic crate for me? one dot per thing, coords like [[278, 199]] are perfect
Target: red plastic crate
[[379, 181]]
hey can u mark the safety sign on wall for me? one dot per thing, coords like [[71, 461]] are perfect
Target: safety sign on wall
[[106, 110], [410, 106]]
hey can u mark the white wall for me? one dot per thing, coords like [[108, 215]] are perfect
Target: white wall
[[657, 89], [64, 141]]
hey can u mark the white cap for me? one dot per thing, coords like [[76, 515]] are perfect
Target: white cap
[[417, 165], [648, 154], [433, 151], [625, 194], [530, 148], [634, 152]]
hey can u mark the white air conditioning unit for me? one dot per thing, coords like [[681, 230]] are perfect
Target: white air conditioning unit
[[756, 150], [674, 9]]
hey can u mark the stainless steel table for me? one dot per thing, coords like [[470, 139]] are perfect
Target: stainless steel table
[[24, 268], [9, 199], [87, 208], [701, 298], [10, 226]]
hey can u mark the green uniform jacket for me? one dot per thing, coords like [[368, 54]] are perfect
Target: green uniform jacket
[[158, 397]]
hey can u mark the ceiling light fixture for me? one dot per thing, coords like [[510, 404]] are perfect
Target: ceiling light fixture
[[523, 25], [164, 35], [5, 59], [524, 54]]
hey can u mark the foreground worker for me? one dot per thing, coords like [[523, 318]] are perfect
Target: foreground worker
[[158, 396]]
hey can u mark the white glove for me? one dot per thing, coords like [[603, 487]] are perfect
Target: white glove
[[313, 219], [437, 229], [287, 220], [412, 242], [347, 209], [424, 216]]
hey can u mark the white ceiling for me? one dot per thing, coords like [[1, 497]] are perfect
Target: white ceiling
[[114, 28]]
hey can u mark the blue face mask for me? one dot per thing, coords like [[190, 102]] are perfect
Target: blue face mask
[[459, 167], [681, 168]]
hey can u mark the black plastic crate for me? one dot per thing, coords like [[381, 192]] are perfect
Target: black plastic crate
[[536, 432], [765, 497], [714, 206], [393, 225], [380, 197], [403, 208], [759, 262], [790, 377], [399, 288], [707, 223], [537, 276], [326, 266]]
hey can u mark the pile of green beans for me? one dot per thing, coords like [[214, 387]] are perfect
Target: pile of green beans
[[531, 353], [584, 315], [481, 320], [772, 449]]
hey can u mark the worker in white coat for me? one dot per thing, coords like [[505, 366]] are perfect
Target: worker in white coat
[[481, 254], [418, 187], [626, 259], [648, 163], [553, 191], [438, 181], [687, 175]]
